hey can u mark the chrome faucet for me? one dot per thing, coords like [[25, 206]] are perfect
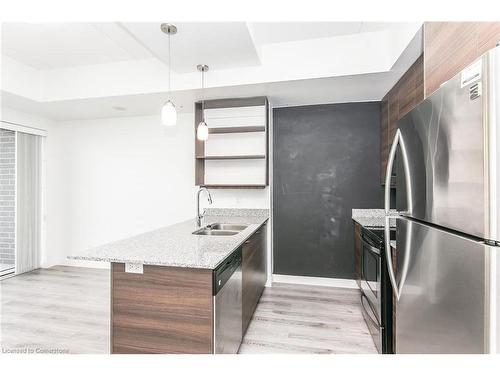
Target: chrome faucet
[[198, 215]]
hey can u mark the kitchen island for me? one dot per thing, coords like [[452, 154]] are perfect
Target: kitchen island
[[372, 217], [162, 282]]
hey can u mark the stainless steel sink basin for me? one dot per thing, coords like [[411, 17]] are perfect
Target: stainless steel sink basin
[[214, 232], [220, 226], [219, 229]]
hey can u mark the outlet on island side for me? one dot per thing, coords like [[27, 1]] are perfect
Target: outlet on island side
[[134, 268]]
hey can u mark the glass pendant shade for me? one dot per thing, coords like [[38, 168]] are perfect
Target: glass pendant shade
[[202, 131], [168, 114]]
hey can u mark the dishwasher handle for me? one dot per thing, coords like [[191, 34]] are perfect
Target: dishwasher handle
[[225, 270]]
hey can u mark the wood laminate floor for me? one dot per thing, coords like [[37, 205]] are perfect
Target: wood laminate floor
[[308, 319], [66, 309]]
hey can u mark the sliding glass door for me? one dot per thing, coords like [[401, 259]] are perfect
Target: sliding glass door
[[28, 201], [20, 201], [7, 201]]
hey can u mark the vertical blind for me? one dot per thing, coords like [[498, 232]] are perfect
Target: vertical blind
[[28, 202]]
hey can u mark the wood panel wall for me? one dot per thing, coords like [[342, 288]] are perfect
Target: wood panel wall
[[163, 310], [451, 46], [401, 99]]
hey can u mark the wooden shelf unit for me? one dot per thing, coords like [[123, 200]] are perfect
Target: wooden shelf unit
[[231, 157], [228, 128], [214, 186], [237, 129]]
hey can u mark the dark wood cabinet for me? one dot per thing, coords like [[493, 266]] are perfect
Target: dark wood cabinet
[[401, 99], [384, 137], [170, 310], [357, 252], [254, 273], [411, 88], [163, 310], [450, 46]]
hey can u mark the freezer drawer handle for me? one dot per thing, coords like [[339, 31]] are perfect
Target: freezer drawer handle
[[367, 309]]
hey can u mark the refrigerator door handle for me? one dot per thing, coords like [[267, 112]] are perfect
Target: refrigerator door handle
[[388, 257], [398, 289], [398, 140]]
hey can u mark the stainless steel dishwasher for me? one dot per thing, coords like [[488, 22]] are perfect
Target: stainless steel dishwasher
[[227, 305]]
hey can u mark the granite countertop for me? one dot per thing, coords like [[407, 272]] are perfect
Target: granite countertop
[[176, 246], [372, 218]]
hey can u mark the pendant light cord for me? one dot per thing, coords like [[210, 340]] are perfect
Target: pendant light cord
[[203, 94], [169, 86]]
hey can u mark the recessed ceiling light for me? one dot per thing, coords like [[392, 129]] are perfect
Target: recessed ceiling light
[[119, 108]]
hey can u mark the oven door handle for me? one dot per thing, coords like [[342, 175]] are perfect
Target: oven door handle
[[372, 248], [373, 321]]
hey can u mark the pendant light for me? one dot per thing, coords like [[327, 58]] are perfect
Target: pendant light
[[202, 130], [168, 111]]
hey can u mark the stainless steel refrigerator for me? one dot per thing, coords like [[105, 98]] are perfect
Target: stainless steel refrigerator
[[447, 269]]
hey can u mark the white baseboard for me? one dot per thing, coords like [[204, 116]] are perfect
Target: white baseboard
[[318, 281]]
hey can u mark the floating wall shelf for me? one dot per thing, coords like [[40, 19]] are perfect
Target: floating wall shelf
[[237, 129], [231, 157], [235, 156], [235, 186]]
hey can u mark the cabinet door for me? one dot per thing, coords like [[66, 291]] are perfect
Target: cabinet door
[[450, 46], [254, 274], [262, 233], [393, 112], [411, 88], [403, 97], [357, 252], [384, 138]]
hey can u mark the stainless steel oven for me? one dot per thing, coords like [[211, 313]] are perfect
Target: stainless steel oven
[[371, 267], [376, 293]]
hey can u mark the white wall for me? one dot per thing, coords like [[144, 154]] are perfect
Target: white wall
[[114, 178], [109, 179], [241, 198]]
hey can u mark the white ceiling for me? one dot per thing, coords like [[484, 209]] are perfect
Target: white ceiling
[[85, 70], [289, 93], [219, 45], [280, 32], [61, 45]]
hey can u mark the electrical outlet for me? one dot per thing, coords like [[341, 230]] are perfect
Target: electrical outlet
[[134, 268]]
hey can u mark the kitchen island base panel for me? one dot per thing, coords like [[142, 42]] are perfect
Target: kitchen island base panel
[[70, 306], [163, 310]]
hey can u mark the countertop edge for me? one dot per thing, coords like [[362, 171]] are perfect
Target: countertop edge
[[256, 227]]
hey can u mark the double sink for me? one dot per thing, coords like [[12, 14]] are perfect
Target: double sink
[[219, 229]]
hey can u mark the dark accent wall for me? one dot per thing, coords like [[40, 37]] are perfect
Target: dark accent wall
[[326, 162]]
